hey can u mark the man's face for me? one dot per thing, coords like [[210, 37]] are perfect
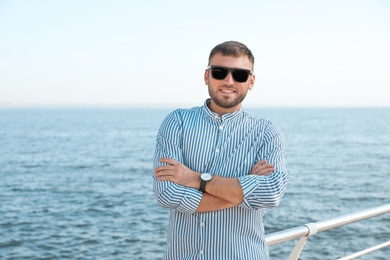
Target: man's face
[[227, 94]]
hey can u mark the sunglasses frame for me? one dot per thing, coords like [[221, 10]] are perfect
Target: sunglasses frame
[[231, 71]]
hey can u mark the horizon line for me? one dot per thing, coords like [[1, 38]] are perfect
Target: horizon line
[[178, 105]]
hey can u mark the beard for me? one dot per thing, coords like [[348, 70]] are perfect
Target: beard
[[226, 101]]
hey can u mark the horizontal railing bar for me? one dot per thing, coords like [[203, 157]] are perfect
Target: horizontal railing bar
[[366, 251], [297, 232], [353, 217], [286, 235]]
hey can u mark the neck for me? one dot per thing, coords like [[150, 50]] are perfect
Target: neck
[[221, 110]]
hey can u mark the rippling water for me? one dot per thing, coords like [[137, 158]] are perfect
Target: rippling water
[[76, 183]]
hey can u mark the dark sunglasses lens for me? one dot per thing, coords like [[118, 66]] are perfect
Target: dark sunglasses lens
[[240, 75], [219, 73]]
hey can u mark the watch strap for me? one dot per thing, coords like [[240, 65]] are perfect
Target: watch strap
[[202, 186]]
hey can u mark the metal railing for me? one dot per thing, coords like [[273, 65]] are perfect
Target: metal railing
[[303, 232]]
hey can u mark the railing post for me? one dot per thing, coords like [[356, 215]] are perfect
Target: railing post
[[312, 230]]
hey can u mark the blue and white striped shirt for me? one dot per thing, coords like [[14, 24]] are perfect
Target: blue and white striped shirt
[[228, 146]]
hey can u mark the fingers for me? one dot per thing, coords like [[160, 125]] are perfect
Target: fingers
[[163, 177], [163, 174], [168, 161], [166, 172], [263, 168], [163, 170], [261, 162]]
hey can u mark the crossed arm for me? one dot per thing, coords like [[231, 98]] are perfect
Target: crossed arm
[[221, 192]]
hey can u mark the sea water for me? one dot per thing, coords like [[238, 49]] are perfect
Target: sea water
[[76, 183]]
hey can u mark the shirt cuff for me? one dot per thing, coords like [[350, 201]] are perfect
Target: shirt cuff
[[190, 201], [249, 184]]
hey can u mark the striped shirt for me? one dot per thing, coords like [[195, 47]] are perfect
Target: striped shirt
[[227, 146]]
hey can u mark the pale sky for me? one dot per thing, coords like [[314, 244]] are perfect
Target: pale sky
[[90, 52]]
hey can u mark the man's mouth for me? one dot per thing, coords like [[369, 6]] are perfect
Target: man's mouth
[[227, 91]]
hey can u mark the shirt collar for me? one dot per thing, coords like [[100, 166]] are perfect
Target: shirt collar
[[214, 115]]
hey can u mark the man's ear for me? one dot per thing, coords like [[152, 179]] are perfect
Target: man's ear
[[252, 82], [206, 77]]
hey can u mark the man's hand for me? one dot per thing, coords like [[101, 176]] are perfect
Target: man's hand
[[263, 168], [177, 173]]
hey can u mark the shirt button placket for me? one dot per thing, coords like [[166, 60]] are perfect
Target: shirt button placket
[[217, 150], [202, 234]]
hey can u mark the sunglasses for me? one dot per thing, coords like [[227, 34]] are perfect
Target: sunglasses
[[239, 75]]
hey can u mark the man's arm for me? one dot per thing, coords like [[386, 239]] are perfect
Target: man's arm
[[220, 193], [227, 189], [267, 191], [230, 190], [249, 191], [212, 203], [168, 144]]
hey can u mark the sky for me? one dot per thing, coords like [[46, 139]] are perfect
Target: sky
[[333, 53]]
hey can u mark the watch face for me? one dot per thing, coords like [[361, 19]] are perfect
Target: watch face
[[206, 176]]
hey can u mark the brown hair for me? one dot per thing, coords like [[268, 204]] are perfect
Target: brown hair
[[232, 48]]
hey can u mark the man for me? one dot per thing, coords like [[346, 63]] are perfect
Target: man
[[217, 168]]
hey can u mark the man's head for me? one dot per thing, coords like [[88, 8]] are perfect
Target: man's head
[[232, 48], [229, 76]]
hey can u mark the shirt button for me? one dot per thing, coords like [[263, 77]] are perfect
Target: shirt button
[[202, 224], [221, 127], [201, 252], [217, 150]]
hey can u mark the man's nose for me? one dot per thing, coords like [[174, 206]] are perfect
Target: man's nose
[[229, 78]]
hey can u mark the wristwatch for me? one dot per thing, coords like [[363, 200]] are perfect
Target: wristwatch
[[204, 178]]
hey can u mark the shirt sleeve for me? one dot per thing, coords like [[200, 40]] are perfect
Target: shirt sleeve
[[168, 145], [267, 191]]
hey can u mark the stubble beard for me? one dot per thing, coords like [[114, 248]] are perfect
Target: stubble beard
[[226, 102]]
